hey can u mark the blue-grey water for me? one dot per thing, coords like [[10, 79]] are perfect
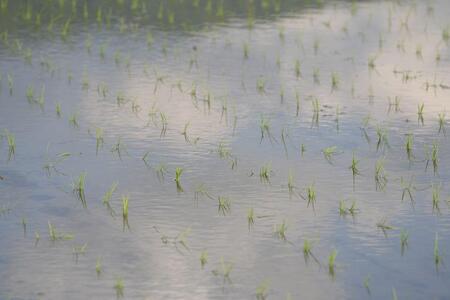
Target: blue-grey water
[[188, 84]]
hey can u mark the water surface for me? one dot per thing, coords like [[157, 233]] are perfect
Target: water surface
[[187, 84]]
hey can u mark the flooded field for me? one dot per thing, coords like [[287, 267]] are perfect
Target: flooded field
[[215, 149]]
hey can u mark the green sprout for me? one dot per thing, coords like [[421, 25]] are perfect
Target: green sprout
[[404, 235], [380, 175], [125, 202], [79, 190], [203, 258], [354, 168], [265, 173], [329, 152], [178, 172], [436, 252], [280, 230], [332, 262], [224, 205], [11, 139], [250, 217], [99, 139], [420, 109], [224, 270], [409, 146], [119, 287], [262, 290]]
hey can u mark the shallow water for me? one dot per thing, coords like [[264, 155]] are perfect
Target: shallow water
[[199, 56]]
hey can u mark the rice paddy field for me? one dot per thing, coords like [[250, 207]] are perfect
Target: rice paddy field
[[224, 149]]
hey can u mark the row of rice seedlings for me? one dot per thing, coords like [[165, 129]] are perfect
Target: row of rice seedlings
[[333, 264]]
